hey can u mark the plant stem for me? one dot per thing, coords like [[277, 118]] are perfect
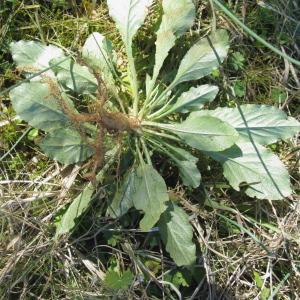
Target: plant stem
[[158, 125], [163, 111], [133, 81], [139, 151], [253, 34], [163, 94], [162, 134], [147, 154], [162, 149], [148, 101], [157, 145]]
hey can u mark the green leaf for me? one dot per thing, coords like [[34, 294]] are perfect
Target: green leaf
[[240, 88], [178, 17], [189, 173], [122, 201], [75, 210], [149, 195], [195, 98], [267, 124], [265, 292], [97, 52], [187, 165], [144, 189], [241, 165], [74, 76], [118, 282], [182, 154], [83, 200], [36, 104], [112, 238], [202, 59], [66, 146], [33, 57], [151, 264], [180, 278], [259, 282], [177, 234], [237, 60], [129, 15], [165, 41], [32, 134], [204, 133]]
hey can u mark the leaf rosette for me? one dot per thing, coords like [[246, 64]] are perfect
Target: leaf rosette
[[157, 117]]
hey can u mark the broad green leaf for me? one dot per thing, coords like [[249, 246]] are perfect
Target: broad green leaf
[[195, 98], [122, 201], [118, 282], [178, 17], [75, 210], [203, 58], [129, 15], [97, 52], [204, 133], [149, 195], [177, 234], [144, 189], [189, 173], [32, 57], [74, 76], [267, 124], [187, 165], [36, 104], [242, 164], [66, 146], [164, 43]]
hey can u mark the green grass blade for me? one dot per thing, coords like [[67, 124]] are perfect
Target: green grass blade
[[233, 17]]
